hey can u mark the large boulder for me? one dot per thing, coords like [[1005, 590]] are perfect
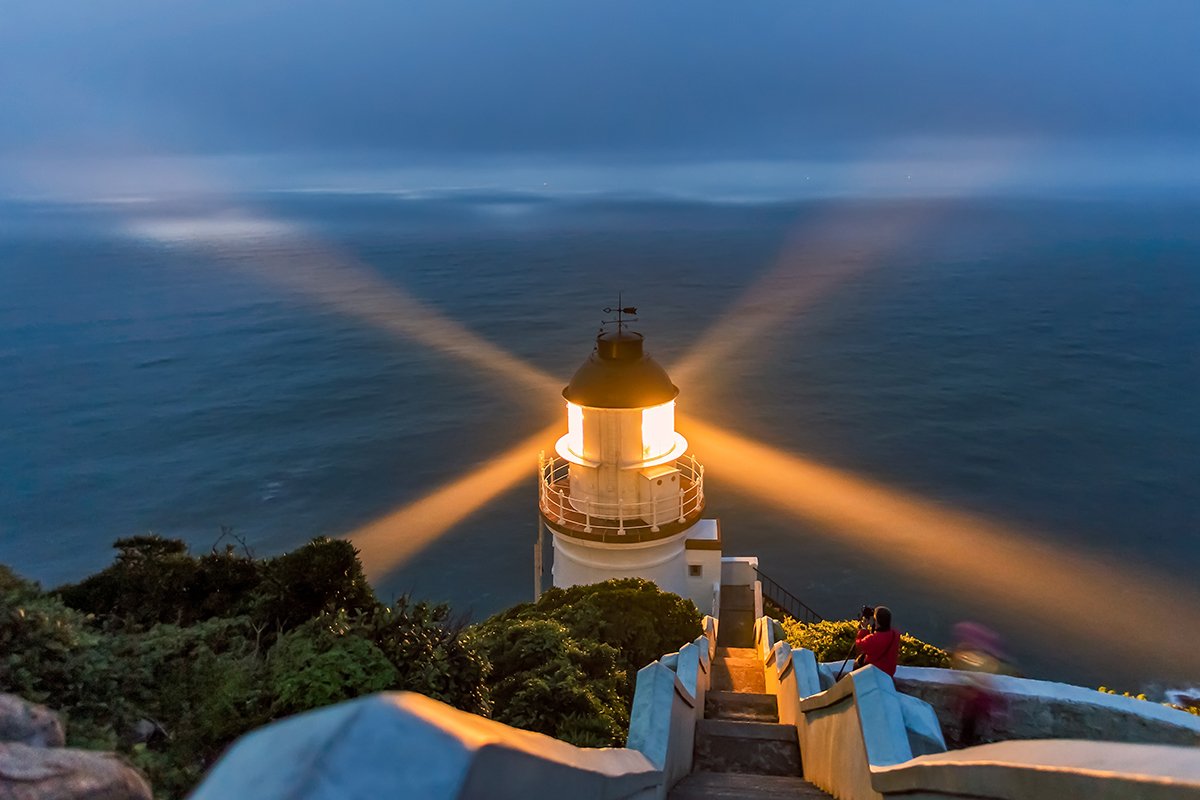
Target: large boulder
[[38, 773], [29, 723]]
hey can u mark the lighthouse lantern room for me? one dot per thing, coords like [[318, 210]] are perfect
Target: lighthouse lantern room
[[622, 497]]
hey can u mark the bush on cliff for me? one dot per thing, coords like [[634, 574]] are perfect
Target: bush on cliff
[[832, 640], [432, 651], [630, 614], [322, 662], [567, 664], [199, 650], [156, 580], [324, 575], [54, 655], [168, 657], [547, 680]]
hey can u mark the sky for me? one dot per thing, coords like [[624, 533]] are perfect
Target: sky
[[355, 88]]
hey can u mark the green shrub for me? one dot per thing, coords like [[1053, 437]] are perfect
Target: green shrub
[[546, 680], [567, 664], [641, 621], [204, 684], [155, 580], [324, 575], [833, 640], [55, 655], [321, 663], [431, 651]]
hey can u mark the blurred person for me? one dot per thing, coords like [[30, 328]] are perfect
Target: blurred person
[[978, 655]]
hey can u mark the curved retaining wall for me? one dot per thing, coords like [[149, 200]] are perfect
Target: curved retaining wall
[[1034, 709], [861, 739]]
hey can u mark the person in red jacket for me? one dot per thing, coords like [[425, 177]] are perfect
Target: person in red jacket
[[877, 643]]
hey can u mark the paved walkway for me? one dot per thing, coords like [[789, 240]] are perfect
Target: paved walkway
[[741, 749]]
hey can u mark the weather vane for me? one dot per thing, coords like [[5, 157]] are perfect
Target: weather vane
[[620, 311]]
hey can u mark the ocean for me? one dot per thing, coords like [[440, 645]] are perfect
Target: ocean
[[177, 366]]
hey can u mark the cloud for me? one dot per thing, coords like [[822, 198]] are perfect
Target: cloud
[[776, 78]]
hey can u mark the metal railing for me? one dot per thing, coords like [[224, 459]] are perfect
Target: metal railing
[[792, 605], [620, 521]]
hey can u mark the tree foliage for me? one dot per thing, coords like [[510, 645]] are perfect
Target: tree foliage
[[156, 580], [567, 664], [431, 651], [833, 640], [198, 650], [547, 680], [324, 575], [201, 649], [322, 662]]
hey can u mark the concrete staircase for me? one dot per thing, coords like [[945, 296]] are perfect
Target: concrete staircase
[[741, 749]]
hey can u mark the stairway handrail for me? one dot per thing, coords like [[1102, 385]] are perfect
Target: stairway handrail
[[778, 594]]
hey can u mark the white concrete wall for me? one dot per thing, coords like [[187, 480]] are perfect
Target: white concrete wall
[[403, 744], [700, 589], [668, 700], [662, 725], [1047, 710], [663, 561], [739, 570], [861, 739], [1048, 770]]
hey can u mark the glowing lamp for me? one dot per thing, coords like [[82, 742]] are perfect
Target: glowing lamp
[[658, 430], [574, 438], [624, 498]]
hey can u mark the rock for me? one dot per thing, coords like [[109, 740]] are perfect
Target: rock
[[146, 731], [28, 723], [37, 773]]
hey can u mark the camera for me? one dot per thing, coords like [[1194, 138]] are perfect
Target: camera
[[866, 618]]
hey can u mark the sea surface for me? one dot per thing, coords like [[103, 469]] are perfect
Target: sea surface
[[177, 366]]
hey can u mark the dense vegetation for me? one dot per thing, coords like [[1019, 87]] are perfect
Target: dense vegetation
[[833, 640], [167, 657], [566, 665]]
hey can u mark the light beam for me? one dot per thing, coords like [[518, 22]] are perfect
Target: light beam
[[818, 256], [1063, 593], [392, 540], [282, 255]]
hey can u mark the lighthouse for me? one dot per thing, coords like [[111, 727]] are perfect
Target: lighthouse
[[621, 495]]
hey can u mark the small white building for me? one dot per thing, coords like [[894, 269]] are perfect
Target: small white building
[[622, 497]]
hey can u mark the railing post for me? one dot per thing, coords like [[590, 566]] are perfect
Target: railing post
[[620, 513], [562, 517]]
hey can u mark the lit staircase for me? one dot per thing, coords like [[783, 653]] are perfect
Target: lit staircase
[[741, 749]]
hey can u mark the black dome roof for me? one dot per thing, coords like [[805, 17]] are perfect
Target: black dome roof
[[619, 374]]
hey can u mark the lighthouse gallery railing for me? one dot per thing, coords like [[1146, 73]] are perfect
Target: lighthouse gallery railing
[[621, 521]]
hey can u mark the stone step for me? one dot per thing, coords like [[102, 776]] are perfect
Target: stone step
[[735, 652], [741, 706], [737, 669], [736, 626], [762, 748], [738, 786]]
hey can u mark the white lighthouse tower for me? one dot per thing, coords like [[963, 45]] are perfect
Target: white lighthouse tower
[[622, 497]]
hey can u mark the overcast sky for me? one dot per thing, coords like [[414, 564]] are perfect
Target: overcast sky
[[404, 81]]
